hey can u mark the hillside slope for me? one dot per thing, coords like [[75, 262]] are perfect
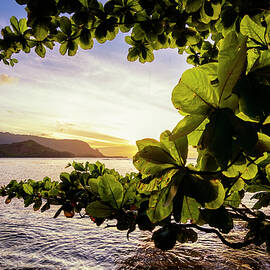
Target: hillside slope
[[30, 149], [76, 147]]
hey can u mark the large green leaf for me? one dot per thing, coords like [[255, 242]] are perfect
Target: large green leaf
[[192, 5], [86, 42], [178, 148], [92, 185], [40, 50], [40, 30], [147, 142], [65, 25], [215, 204], [231, 59], [263, 144], [246, 170], [195, 135], [23, 25], [190, 210], [153, 160], [15, 24], [110, 190], [263, 61], [217, 138], [233, 200], [253, 98], [99, 209], [194, 93], [187, 125], [158, 182], [157, 210], [251, 29], [28, 189]]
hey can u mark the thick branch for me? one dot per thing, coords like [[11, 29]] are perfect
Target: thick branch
[[235, 245]]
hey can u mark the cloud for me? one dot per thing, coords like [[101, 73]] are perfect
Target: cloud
[[100, 138], [125, 150], [6, 79]]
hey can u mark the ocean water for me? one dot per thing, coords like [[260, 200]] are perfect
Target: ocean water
[[34, 240]]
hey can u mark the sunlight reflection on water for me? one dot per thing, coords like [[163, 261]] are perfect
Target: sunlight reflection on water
[[34, 240]]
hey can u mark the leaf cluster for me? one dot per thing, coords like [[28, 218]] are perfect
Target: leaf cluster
[[223, 100]]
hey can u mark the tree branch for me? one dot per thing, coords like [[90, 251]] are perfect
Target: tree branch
[[235, 245]]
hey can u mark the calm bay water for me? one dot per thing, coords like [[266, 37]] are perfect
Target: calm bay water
[[34, 240]]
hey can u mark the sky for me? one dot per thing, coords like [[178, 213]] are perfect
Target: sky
[[96, 96]]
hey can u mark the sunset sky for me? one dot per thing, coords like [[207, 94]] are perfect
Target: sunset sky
[[96, 96]]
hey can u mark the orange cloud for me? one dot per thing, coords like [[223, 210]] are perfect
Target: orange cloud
[[90, 136], [120, 150], [6, 79]]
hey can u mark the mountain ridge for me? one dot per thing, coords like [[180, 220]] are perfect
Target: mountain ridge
[[76, 147], [30, 148]]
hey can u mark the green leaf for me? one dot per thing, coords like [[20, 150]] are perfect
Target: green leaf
[[157, 210], [177, 148], [195, 136], [78, 166], [99, 209], [23, 25], [193, 5], [187, 125], [45, 207], [263, 144], [65, 177], [153, 160], [72, 47], [28, 189], [233, 200], [86, 42], [63, 48], [157, 183], [110, 190], [206, 161], [217, 138], [250, 171], [263, 61], [194, 93], [40, 50], [92, 186], [15, 24], [220, 198], [133, 54], [190, 210], [58, 212], [263, 200], [267, 170], [251, 29], [147, 142], [231, 59], [40, 30], [256, 188], [174, 185], [65, 25]]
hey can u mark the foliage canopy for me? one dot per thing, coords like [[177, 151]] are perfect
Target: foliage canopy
[[224, 100]]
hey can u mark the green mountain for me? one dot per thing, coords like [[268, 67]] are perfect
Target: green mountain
[[30, 149]]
